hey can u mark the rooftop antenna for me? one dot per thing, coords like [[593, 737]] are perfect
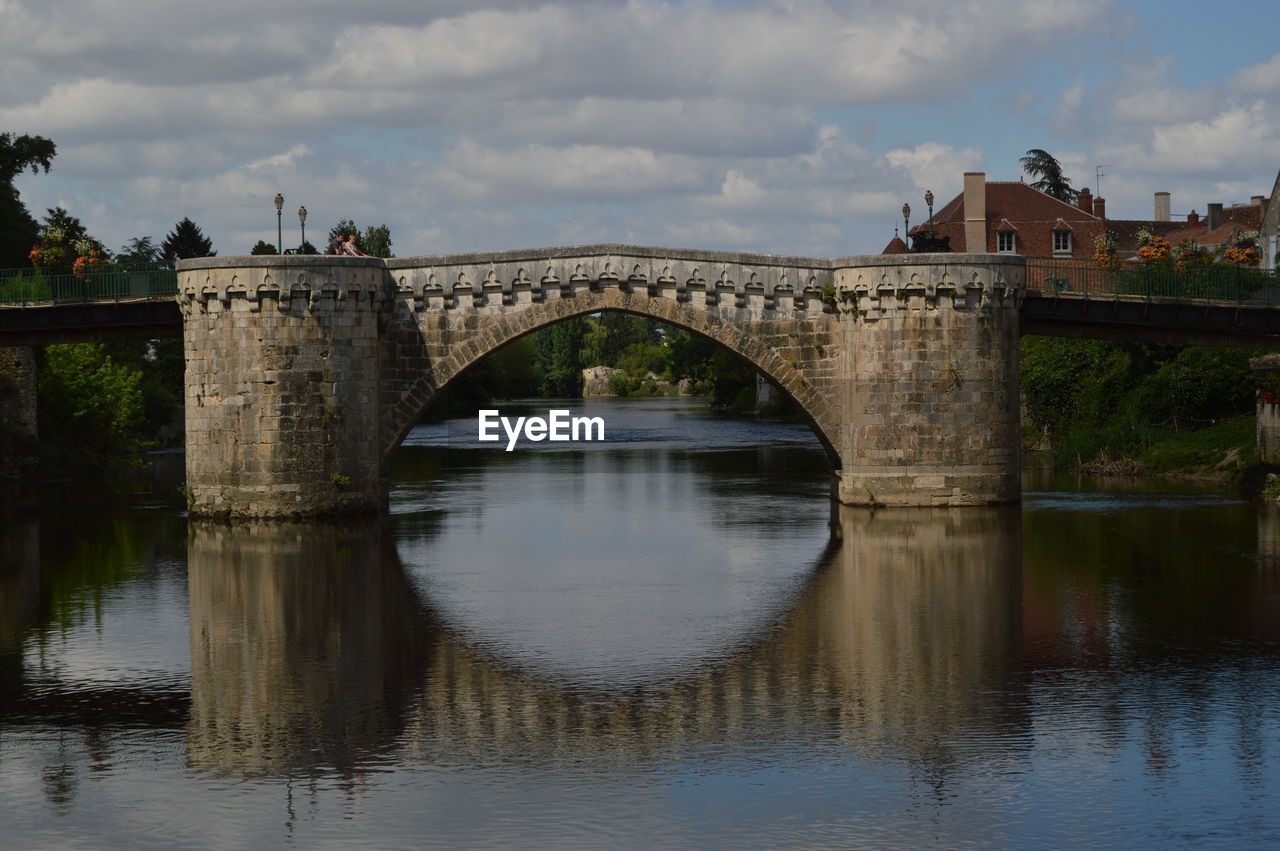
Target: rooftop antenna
[[1098, 174]]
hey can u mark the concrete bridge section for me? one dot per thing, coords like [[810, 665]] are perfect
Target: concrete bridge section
[[304, 374]]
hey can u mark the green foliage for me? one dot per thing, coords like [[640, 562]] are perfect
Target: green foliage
[[18, 230], [90, 406], [611, 333], [1094, 399], [1043, 165], [185, 241], [689, 355], [376, 241], [65, 229], [19, 153], [558, 362], [307, 248], [643, 358], [509, 373], [139, 251], [262, 248], [340, 481]]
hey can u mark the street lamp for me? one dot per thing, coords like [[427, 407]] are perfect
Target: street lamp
[[928, 199], [906, 220], [279, 233], [302, 220]]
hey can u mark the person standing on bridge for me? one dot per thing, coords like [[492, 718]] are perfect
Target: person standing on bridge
[[335, 244], [349, 247]]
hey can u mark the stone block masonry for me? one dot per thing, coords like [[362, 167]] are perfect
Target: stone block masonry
[[282, 386], [304, 374], [18, 434]]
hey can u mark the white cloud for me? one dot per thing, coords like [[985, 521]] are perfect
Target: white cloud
[[1260, 79], [778, 125]]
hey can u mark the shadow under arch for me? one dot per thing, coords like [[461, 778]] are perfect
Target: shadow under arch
[[500, 331]]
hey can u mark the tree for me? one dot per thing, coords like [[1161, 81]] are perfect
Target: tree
[[90, 405], [1041, 164], [307, 248], [186, 240], [18, 229], [139, 251], [262, 247], [19, 153], [558, 364], [376, 241]]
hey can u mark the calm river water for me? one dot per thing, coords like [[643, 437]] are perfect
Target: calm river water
[[670, 638]]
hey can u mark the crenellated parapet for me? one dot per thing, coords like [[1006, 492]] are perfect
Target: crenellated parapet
[[870, 289], [311, 283], [487, 283]]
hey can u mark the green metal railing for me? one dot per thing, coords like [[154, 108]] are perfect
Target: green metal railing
[[59, 285], [1216, 281]]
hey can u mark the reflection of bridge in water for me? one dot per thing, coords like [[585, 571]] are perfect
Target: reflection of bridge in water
[[302, 658]]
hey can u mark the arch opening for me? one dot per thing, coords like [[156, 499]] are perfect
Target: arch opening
[[481, 341]]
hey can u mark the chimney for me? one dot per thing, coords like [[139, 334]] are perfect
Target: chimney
[[1085, 200], [1100, 207], [1214, 216], [1193, 219], [1164, 211], [1257, 200], [975, 212]]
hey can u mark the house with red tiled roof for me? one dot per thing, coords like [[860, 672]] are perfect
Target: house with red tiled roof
[[1220, 227], [1010, 217]]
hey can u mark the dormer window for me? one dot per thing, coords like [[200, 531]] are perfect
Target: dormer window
[[1062, 242], [1004, 241]]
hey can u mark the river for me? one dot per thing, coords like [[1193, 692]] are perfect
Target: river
[[671, 637]]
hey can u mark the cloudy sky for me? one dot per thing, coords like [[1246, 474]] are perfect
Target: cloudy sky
[[791, 126]]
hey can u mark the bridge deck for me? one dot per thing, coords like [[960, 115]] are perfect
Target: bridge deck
[[1203, 305]]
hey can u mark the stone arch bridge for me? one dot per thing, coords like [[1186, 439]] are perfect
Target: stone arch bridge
[[304, 374]]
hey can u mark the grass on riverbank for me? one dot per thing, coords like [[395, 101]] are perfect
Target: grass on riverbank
[[1225, 450]]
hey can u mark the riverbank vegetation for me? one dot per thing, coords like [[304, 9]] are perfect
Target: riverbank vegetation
[[1131, 408]]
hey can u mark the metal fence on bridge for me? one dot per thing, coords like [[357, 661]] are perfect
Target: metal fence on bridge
[[32, 287], [1213, 281]]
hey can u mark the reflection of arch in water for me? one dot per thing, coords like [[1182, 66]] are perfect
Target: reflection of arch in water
[[305, 657], [905, 635]]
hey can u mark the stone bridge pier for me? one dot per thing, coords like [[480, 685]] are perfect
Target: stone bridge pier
[[304, 374]]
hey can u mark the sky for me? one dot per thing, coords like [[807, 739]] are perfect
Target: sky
[[781, 126]]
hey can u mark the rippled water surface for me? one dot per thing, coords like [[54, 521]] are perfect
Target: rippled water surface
[[669, 638]]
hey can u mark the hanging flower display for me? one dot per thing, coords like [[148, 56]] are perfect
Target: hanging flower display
[[1152, 248], [91, 262], [43, 256], [1243, 255], [1104, 251]]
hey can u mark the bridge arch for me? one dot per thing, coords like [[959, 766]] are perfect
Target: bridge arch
[[500, 331]]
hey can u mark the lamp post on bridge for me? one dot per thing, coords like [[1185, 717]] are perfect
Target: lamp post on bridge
[[906, 220], [279, 232], [928, 199], [302, 220]]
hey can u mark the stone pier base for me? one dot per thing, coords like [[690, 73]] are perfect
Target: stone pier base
[[18, 435], [930, 381]]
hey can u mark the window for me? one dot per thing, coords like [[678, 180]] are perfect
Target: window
[[1004, 241], [1062, 242]]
